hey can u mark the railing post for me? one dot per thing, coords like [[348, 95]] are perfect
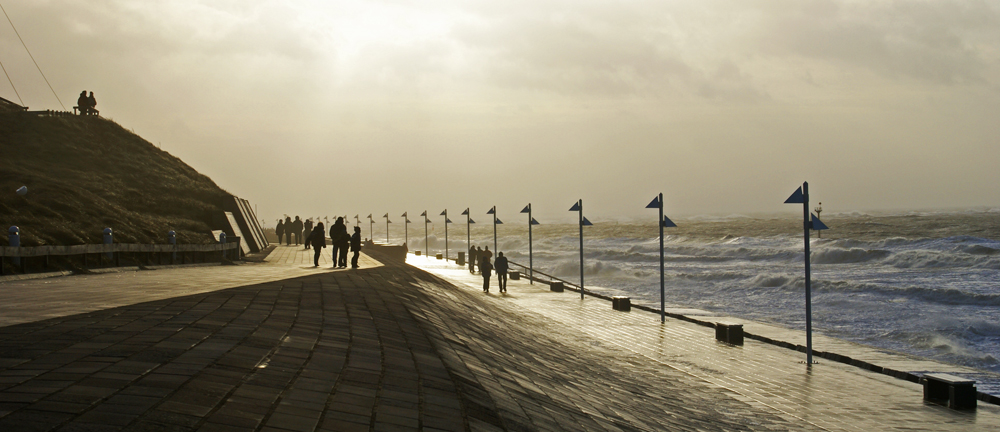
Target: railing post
[[172, 239], [14, 235], [109, 239], [222, 241]]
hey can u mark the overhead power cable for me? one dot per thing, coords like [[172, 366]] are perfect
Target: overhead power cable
[[11, 84], [32, 58]]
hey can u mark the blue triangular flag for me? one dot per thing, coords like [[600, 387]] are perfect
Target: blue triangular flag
[[499, 222], [492, 210], [369, 215], [471, 221], [818, 224], [444, 213], [427, 221], [466, 212], [667, 223], [655, 203], [796, 197], [586, 222], [527, 209], [424, 214], [386, 215], [387, 220], [404, 214], [408, 221], [576, 206], [534, 222], [446, 220]]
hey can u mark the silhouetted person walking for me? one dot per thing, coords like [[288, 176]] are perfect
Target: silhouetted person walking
[[297, 230], [288, 231], [344, 246], [279, 230], [486, 253], [355, 246], [307, 228], [501, 268], [473, 256], [317, 237], [337, 232], [486, 269]]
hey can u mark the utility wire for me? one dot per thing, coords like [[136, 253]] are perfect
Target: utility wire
[[11, 83], [32, 58]]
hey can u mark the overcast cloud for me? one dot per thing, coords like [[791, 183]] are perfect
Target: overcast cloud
[[320, 107]]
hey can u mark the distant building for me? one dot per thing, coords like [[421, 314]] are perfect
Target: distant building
[[7, 106]]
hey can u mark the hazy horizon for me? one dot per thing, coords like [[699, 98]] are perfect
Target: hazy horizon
[[312, 108]]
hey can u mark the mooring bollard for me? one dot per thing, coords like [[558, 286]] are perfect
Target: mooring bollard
[[514, 275], [621, 303], [556, 286], [729, 333], [222, 241], [461, 259]]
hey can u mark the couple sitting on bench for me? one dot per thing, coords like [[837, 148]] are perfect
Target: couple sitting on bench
[[86, 104]]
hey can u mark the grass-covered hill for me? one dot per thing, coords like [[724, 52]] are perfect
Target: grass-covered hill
[[87, 173]]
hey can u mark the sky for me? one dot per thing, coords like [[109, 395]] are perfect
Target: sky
[[355, 107]]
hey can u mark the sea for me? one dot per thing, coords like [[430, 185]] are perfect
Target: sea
[[925, 283]]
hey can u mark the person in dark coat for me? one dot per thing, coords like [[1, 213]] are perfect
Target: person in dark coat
[[288, 231], [501, 267], [297, 230], [307, 228], [317, 237], [486, 253], [345, 247], [279, 230], [91, 104], [355, 246], [486, 269], [473, 257], [81, 102], [337, 232]]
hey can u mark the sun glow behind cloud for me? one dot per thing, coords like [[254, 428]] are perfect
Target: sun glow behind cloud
[[724, 101]]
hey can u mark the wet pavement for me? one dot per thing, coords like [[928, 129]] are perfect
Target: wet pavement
[[283, 346]]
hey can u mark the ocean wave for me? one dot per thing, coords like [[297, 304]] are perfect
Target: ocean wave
[[846, 256], [934, 259], [945, 296]]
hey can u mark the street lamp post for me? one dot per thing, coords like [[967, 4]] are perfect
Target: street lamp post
[[387, 222], [406, 230], [446, 222], [426, 221], [578, 207], [664, 222], [531, 262], [371, 228], [801, 196]]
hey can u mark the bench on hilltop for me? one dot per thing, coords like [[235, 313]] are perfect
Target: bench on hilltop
[[93, 111]]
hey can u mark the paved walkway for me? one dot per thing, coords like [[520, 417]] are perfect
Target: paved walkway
[[389, 347]]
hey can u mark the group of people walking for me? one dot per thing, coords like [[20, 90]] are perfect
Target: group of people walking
[[482, 257], [316, 236]]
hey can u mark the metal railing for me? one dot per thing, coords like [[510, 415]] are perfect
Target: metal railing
[[113, 252]]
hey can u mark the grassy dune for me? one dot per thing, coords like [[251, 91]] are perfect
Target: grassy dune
[[87, 173]]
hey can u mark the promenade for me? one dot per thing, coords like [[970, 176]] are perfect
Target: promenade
[[283, 346]]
